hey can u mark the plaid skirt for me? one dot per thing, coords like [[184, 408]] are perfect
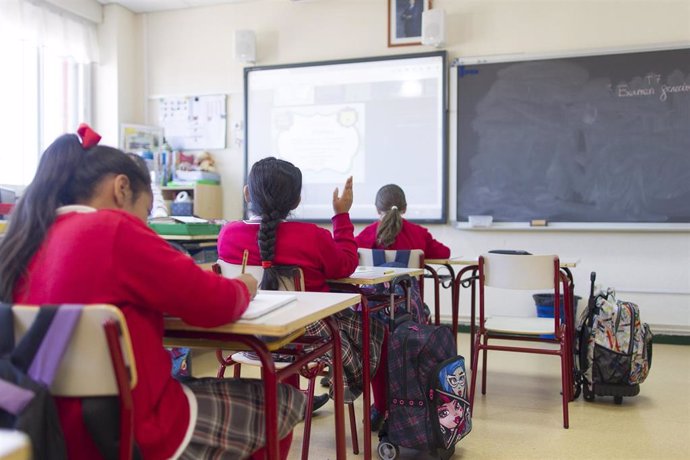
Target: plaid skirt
[[230, 417], [350, 327]]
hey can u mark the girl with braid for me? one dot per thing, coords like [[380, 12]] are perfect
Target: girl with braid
[[79, 235], [273, 190]]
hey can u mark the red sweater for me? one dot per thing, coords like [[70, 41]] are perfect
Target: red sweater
[[320, 255], [111, 257], [411, 236]]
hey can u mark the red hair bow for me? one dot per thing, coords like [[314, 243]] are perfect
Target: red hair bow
[[89, 137], [266, 264]]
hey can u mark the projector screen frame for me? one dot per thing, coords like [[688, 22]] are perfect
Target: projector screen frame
[[443, 141]]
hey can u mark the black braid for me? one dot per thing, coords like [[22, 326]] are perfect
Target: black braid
[[274, 190]]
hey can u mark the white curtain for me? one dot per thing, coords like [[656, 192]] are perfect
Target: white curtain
[[63, 34], [46, 58]]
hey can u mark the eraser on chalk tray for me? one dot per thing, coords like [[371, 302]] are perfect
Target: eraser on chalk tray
[[538, 223]]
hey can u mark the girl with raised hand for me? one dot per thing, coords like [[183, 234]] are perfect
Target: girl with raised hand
[[79, 235], [273, 190]]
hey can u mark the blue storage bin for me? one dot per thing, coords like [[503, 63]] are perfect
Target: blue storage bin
[[544, 304]]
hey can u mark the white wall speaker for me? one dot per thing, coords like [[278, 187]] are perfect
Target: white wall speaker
[[245, 46], [434, 27]]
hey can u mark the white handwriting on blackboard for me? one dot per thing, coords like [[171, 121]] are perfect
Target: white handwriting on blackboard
[[665, 89], [623, 90]]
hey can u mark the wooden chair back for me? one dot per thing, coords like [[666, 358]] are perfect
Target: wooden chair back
[[86, 368], [286, 283], [366, 257], [98, 362]]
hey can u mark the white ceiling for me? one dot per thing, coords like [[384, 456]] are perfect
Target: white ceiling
[[147, 6]]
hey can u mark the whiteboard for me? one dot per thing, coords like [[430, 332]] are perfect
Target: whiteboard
[[380, 119]]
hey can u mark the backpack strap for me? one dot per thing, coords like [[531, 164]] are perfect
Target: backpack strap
[[379, 257], [6, 330], [40, 351], [47, 360], [403, 257], [23, 354]]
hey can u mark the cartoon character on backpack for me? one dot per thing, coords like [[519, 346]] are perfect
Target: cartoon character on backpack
[[453, 379], [448, 396], [451, 417]]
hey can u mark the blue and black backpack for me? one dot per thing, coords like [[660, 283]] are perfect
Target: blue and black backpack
[[429, 406]]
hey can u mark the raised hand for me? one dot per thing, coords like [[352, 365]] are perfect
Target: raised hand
[[343, 203]]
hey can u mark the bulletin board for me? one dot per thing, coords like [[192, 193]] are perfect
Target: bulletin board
[[194, 122]]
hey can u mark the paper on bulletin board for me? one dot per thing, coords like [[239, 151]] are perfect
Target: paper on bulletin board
[[195, 122]]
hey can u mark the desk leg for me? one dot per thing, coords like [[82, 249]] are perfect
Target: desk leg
[[366, 378], [270, 397], [337, 380], [571, 330], [457, 283]]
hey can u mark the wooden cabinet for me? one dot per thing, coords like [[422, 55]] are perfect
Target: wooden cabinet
[[206, 198]]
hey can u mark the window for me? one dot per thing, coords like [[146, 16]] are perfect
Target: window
[[44, 88]]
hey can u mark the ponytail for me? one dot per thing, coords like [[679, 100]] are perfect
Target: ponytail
[[67, 173], [389, 227], [391, 204]]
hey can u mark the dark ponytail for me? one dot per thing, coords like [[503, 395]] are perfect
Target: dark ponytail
[[391, 203], [274, 190], [66, 174]]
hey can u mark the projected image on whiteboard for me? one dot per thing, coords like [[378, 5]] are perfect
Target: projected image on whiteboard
[[379, 120], [323, 141]]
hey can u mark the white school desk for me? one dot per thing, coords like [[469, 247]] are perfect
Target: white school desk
[[368, 276], [289, 321], [14, 445]]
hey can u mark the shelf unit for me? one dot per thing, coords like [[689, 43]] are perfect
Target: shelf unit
[[206, 198]]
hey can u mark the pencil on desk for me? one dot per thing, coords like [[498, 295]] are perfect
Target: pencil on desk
[[245, 256]]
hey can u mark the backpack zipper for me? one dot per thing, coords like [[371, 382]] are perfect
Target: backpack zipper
[[633, 321]]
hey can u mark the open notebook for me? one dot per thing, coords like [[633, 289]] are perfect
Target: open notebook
[[371, 272], [265, 303]]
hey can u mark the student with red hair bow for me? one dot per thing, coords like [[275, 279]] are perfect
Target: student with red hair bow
[[79, 235]]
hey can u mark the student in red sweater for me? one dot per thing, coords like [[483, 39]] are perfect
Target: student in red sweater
[[392, 231], [273, 190], [79, 235]]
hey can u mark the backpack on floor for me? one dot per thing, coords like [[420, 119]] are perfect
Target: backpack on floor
[[428, 404], [614, 347]]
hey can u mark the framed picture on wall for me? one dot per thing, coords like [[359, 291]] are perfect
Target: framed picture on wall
[[405, 21]]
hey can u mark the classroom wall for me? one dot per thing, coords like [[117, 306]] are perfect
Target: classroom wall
[[190, 52], [119, 76]]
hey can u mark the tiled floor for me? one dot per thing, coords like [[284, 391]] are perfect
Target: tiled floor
[[520, 416]]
